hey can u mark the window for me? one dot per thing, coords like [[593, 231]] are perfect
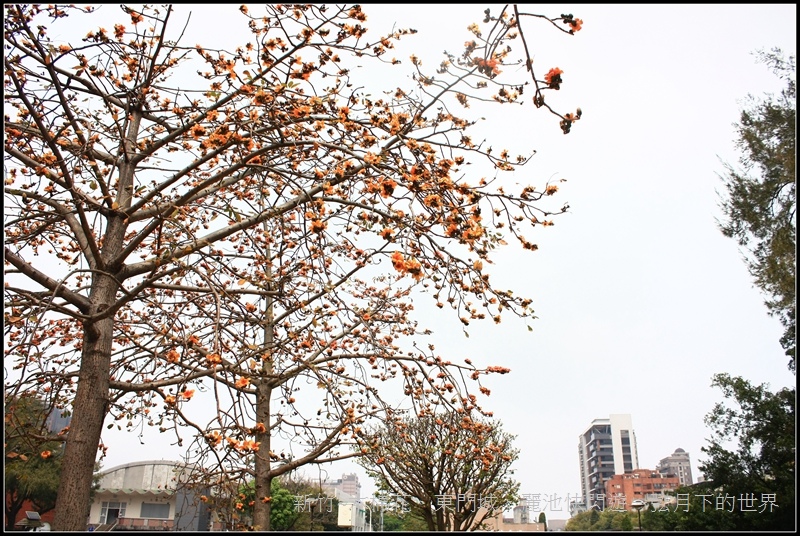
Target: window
[[155, 510]]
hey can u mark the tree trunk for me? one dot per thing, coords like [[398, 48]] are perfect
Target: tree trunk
[[92, 396], [263, 478], [13, 506], [89, 412]]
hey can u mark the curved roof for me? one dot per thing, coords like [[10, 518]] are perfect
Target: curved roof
[[152, 476]]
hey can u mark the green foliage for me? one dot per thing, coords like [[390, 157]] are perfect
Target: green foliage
[[543, 519], [762, 425], [593, 520], [32, 460], [394, 521], [759, 200], [697, 512], [284, 514]]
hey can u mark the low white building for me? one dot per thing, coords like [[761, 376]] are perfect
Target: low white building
[[146, 496]]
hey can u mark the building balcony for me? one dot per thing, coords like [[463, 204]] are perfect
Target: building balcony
[[144, 523]]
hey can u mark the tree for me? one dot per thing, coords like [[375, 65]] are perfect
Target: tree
[[32, 457], [698, 511], [762, 425], [759, 201], [444, 467], [249, 226], [295, 505], [594, 520], [543, 519], [396, 520], [283, 514]]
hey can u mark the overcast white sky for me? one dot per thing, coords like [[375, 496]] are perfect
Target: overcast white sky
[[640, 298]]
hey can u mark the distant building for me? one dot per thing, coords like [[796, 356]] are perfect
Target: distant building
[[645, 484], [58, 420], [677, 464], [354, 515], [523, 520], [347, 484], [605, 449], [147, 495]]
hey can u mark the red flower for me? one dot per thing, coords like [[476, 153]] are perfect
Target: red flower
[[553, 77]]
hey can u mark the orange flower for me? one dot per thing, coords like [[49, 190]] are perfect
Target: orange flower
[[46, 454], [242, 382], [213, 359], [433, 200], [398, 261], [173, 356], [411, 266], [553, 77], [488, 67], [372, 159], [188, 394], [214, 438], [318, 226], [386, 233], [170, 400], [387, 187], [248, 445], [576, 24]]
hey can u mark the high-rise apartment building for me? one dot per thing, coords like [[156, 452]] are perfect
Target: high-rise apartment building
[[606, 448], [677, 464]]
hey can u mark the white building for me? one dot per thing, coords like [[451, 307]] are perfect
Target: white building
[[146, 496], [606, 448]]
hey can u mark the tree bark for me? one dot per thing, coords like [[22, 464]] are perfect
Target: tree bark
[[89, 412], [91, 403], [263, 478]]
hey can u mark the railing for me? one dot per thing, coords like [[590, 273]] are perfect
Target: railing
[[144, 523]]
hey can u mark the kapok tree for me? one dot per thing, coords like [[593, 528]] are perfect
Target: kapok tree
[[452, 470], [248, 227]]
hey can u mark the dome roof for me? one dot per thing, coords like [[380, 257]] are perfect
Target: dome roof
[[151, 475]]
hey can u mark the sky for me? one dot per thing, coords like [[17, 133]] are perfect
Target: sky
[[640, 299]]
